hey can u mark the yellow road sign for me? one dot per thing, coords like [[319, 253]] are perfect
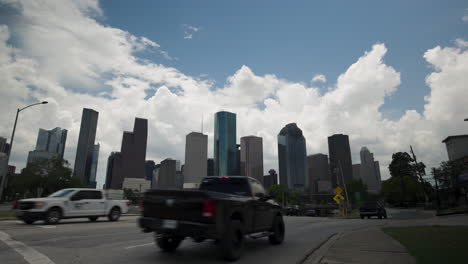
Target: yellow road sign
[[337, 200], [338, 190], [339, 196]]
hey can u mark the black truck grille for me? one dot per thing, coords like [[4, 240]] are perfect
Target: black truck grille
[[26, 205]]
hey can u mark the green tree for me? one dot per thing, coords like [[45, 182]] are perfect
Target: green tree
[[131, 195], [284, 196], [447, 175], [357, 186]]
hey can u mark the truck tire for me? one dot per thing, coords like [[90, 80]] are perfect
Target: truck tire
[[167, 243], [232, 242], [93, 218], [278, 231], [114, 214], [53, 216]]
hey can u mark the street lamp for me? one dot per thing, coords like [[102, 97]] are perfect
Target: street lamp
[[2, 183]]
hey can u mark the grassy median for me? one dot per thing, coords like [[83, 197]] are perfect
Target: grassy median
[[7, 214], [433, 244]]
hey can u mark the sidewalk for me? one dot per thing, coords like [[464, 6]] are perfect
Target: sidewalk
[[362, 246]]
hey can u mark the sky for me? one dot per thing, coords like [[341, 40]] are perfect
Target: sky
[[388, 74]]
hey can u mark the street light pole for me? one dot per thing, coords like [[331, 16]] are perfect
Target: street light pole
[[2, 183]]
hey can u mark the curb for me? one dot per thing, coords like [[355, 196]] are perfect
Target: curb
[[315, 255]]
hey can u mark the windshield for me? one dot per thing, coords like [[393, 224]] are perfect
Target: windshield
[[235, 186], [61, 193]]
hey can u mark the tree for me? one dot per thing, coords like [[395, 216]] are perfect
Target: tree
[[447, 174], [131, 195], [43, 177], [357, 186], [284, 196]]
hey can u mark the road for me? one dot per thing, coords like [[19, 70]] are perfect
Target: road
[[80, 241]]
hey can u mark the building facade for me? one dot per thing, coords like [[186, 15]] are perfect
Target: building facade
[[357, 171], [210, 167], [457, 146], [150, 165], [94, 166], [369, 172], [85, 147], [196, 157], [225, 148], [251, 157], [270, 179], [318, 169], [4, 146], [341, 166], [166, 178], [52, 140], [292, 158]]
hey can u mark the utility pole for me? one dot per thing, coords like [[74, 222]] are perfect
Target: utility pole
[[420, 175], [434, 172]]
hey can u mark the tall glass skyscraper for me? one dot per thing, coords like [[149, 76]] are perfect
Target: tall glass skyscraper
[[85, 147], [292, 158], [341, 166], [52, 141], [226, 161]]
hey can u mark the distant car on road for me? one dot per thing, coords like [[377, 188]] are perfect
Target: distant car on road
[[225, 209], [70, 203], [310, 212], [293, 210], [372, 208]]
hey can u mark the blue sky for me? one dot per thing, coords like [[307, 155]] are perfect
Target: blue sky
[[295, 40]]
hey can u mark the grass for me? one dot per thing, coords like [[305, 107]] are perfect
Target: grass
[[433, 244], [7, 214]]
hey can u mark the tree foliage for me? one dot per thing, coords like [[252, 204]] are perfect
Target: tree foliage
[[357, 186], [285, 196], [43, 177]]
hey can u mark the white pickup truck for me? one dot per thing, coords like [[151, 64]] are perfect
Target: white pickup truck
[[70, 203]]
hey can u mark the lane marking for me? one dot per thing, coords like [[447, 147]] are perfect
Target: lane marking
[[142, 245], [29, 254], [47, 226]]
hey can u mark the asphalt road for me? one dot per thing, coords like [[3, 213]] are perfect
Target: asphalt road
[[80, 241]]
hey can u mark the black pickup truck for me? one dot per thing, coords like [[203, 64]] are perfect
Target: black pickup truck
[[224, 209]]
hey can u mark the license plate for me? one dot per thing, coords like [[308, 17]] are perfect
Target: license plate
[[169, 224]]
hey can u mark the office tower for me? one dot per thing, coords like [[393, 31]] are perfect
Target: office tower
[[379, 177], [149, 168], [270, 179], [251, 157], [225, 148], [85, 147], [167, 175], [357, 171], [292, 158], [341, 166], [457, 146], [319, 170], [210, 167], [94, 164], [110, 166], [4, 146], [196, 157], [179, 177], [369, 172], [50, 144]]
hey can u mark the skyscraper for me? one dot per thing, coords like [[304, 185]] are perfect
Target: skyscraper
[[318, 170], [85, 147], [196, 156], [370, 171], [210, 167], [149, 168], [292, 158], [94, 164], [49, 144], [110, 166], [4, 146], [251, 157], [341, 165], [225, 148], [167, 175]]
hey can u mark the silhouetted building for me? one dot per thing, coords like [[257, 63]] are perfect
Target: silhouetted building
[[318, 169], [150, 165], [167, 175], [270, 179], [369, 173], [196, 156], [457, 146], [341, 166], [4, 146], [251, 157], [85, 147], [292, 157], [109, 170], [210, 167], [357, 171], [130, 161], [225, 148], [94, 164], [379, 177]]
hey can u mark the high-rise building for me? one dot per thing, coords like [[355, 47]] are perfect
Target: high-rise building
[[270, 179], [369, 172], [457, 146], [196, 157], [251, 157], [85, 147], [379, 177], [341, 166], [225, 148], [110, 167], [318, 169], [149, 168], [292, 158], [167, 175], [50, 144], [357, 171], [210, 167], [94, 164], [4, 146], [130, 161]]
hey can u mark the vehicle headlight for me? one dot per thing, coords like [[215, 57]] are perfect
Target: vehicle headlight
[[39, 204]]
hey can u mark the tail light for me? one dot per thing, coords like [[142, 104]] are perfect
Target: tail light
[[208, 208]]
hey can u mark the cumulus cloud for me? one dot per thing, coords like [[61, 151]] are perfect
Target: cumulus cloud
[[189, 31], [319, 78], [54, 59]]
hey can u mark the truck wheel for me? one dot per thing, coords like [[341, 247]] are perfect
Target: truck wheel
[[28, 221], [232, 242], [114, 214], [278, 231], [53, 216], [167, 243], [93, 218]]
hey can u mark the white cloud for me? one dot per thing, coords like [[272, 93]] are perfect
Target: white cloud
[[461, 43], [319, 78], [189, 31], [56, 60], [465, 18]]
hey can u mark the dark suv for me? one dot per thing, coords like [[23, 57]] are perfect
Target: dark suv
[[372, 208]]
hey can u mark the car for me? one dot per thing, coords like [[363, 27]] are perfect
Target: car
[[224, 209], [293, 210], [372, 208], [310, 212], [70, 203]]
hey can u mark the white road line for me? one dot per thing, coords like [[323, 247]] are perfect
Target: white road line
[[47, 226], [29, 254], [142, 245]]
